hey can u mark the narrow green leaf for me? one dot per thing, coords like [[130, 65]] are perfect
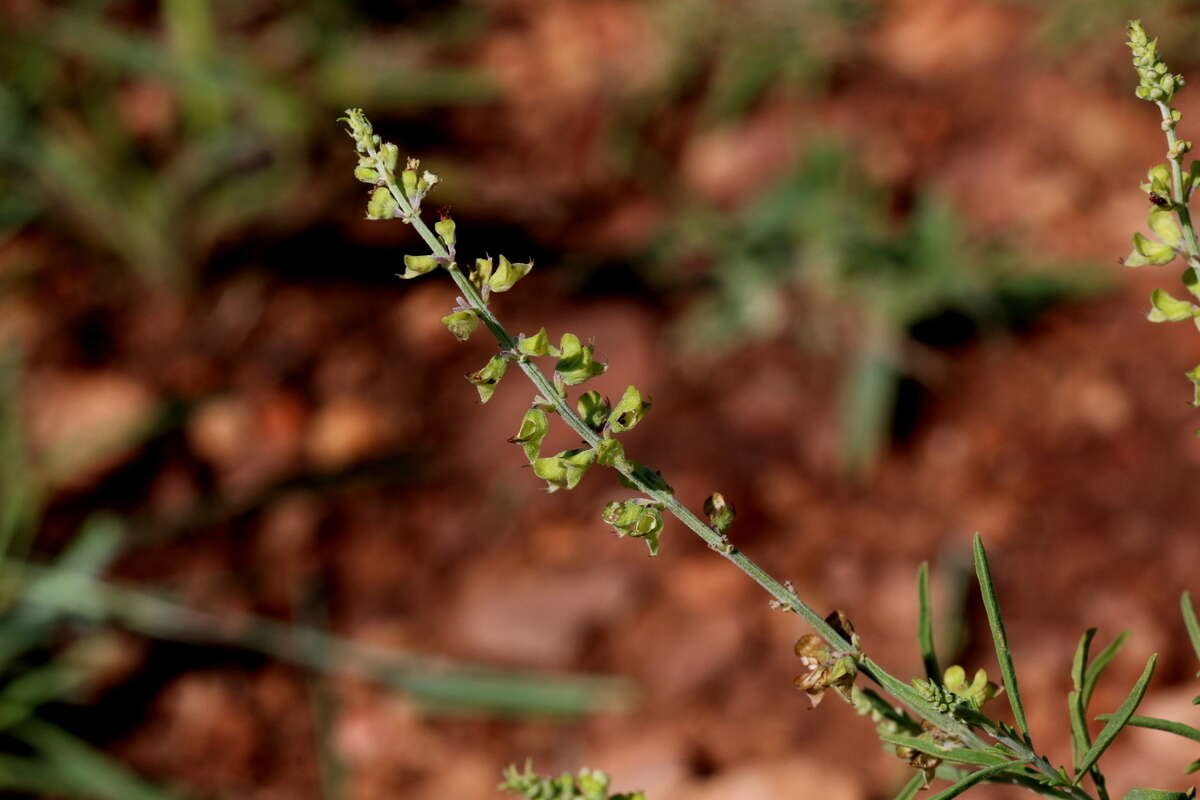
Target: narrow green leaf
[[1118, 721], [974, 779], [1080, 738], [980, 758], [1079, 664], [1157, 794], [1189, 620], [85, 770], [1034, 785], [925, 624], [992, 606], [1097, 667], [1154, 723], [915, 784]]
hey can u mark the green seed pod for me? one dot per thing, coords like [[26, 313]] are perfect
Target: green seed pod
[[418, 265], [564, 470], [408, 179], [366, 174], [629, 411], [381, 205], [594, 409], [1169, 309], [461, 323], [720, 513], [445, 229], [638, 518], [536, 345], [610, 453], [576, 363], [1147, 251], [485, 380], [534, 427], [507, 274], [1162, 223]]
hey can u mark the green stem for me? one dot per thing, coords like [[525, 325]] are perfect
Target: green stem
[[1178, 200], [788, 599]]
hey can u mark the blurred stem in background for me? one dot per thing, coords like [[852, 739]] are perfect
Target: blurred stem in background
[[821, 254]]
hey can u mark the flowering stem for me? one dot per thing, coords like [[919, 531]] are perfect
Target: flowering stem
[[787, 599], [1178, 200]]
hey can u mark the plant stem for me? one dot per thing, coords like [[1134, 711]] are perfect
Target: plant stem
[[1178, 200], [788, 599]]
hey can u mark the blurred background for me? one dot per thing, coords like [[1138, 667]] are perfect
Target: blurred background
[[260, 540]]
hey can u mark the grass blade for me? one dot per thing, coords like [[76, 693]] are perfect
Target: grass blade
[[83, 769], [1189, 619], [914, 785], [1154, 723], [977, 758], [925, 625], [973, 779], [1118, 720], [1097, 667], [1003, 655]]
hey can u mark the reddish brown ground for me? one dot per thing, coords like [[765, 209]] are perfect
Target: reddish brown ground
[[1069, 447]]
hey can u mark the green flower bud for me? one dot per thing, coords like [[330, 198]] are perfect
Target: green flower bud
[[461, 323], [576, 363], [507, 274], [418, 265], [536, 345], [359, 128], [594, 785], [629, 411], [594, 409], [366, 174], [381, 205], [975, 693], [486, 379], [534, 427], [1168, 309], [720, 513], [1156, 83], [445, 229], [1146, 251], [564, 470]]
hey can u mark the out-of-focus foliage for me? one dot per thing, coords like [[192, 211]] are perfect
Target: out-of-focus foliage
[[724, 57], [1069, 28], [158, 133], [891, 284]]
